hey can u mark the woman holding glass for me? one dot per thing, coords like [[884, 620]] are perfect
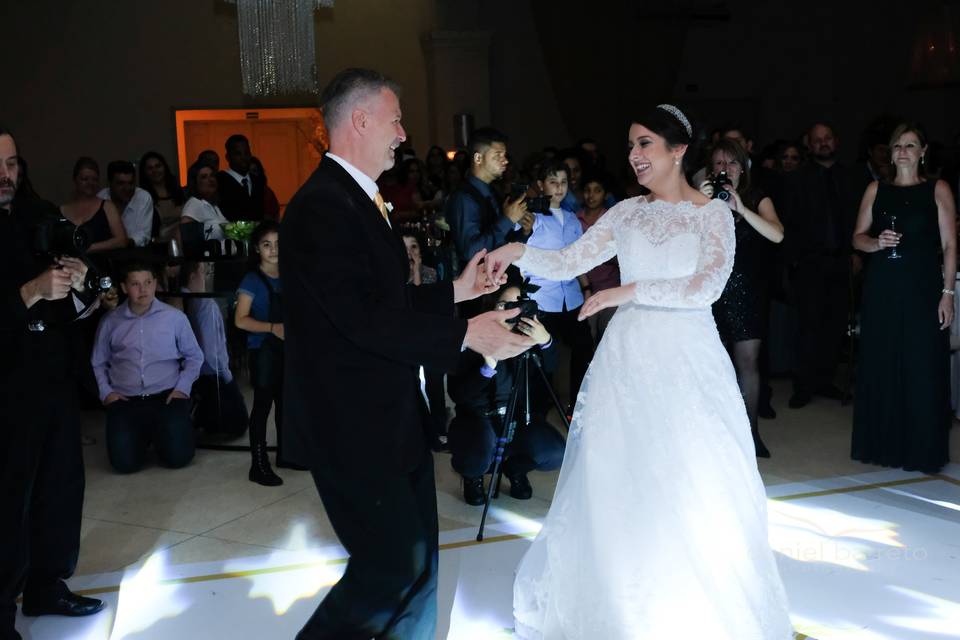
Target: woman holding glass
[[901, 412]]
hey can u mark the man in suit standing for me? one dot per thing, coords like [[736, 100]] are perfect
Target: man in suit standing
[[356, 334], [241, 192], [820, 203]]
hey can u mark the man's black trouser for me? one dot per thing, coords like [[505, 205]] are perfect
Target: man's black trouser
[[41, 500]]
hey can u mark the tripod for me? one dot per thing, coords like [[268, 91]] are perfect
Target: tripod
[[508, 425]]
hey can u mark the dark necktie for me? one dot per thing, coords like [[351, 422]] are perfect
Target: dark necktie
[[246, 185]]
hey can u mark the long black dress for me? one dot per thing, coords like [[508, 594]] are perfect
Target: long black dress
[[901, 412]]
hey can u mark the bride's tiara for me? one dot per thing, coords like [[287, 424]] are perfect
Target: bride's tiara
[[676, 113]]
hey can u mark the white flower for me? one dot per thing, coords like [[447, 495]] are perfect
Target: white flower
[[388, 206]]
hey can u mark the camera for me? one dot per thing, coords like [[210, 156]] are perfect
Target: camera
[[528, 306], [718, 181], [55, 237], [535, 204]]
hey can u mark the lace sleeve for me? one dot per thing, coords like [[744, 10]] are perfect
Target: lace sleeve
[[714, 264], [595, 246]]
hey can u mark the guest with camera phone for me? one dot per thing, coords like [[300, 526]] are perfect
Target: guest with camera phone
[[559, 300], [741, 310], [480, 389]]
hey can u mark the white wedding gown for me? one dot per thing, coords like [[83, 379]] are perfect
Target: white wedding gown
[[658, 528]]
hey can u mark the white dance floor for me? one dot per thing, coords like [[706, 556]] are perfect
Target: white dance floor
[[869, 557]]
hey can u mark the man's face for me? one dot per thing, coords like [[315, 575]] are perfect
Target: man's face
[[594, 195], [122, 187], [737, 135], [822, 142], [491, 162], [383, 131], [9, 170], [590, 148], [879, 155], [575, 171], [238, 157], [141, 288]]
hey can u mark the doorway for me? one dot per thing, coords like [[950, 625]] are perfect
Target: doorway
[[288, 142]]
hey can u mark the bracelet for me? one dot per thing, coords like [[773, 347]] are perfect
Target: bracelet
[[949, 292]]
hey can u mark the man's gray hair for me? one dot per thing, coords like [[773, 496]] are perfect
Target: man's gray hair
[[347, 89]]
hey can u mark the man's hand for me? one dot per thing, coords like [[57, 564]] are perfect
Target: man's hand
[[487, 336], [498, 260], [515, 210], [526, 223], [112, 397], [52, 284], [535, 329], [606, 298], [278, 330], [177, 395], [473, 281], [77, 269]]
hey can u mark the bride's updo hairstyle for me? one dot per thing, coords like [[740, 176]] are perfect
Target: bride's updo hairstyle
[[676, 128]]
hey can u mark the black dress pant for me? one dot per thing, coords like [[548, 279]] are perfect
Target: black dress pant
[[473, 442], [821, 286], [220, 406], [387, 522], [41, 467]]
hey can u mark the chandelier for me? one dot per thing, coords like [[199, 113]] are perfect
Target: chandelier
[[277, 49]]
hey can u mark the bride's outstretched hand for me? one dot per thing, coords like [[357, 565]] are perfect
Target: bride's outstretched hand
[[498, 260], [606, 298]]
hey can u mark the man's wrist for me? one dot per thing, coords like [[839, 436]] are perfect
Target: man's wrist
[[29, 295]]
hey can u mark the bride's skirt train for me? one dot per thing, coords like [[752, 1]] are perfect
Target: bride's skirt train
[[658, 529]]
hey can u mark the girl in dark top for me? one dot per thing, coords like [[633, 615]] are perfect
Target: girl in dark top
[[99, 218], [260, 313], [901, 411], [740, 311]]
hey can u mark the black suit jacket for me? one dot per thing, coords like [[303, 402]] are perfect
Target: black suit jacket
[[805, 210], [235, 202], [355, 332]]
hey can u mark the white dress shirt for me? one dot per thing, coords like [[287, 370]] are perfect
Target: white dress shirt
[[207, 214], [137, 216], [239, 178]]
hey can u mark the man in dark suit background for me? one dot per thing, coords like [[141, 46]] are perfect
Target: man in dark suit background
[[356, 335], [240, 192], [819, 205]]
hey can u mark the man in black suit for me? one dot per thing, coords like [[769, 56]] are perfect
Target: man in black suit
[[241, 192], [819, 206], [356, 335]]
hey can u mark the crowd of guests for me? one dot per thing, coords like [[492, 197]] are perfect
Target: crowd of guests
[[805, 226]]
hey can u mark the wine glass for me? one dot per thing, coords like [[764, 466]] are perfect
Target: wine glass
[[893, 255]]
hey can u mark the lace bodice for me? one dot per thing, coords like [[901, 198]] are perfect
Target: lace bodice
[[678, 255]]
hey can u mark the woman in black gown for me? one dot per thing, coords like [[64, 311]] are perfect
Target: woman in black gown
[[901, 413], [739, 312]]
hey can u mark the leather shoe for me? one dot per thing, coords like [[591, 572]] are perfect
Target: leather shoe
[[65, 603], [520, 488], [799, 400], [473, 491], [766, 411]]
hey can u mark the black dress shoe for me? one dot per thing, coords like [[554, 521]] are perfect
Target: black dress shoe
[[473, 491], [799, 400], [520, 488], [63, 603], [766, 412]]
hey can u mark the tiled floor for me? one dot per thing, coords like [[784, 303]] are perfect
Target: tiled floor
[[208, 520]]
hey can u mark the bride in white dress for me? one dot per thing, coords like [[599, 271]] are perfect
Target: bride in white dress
[[658, 528]]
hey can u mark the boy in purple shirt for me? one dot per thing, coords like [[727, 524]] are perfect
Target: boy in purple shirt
[[146, 359]]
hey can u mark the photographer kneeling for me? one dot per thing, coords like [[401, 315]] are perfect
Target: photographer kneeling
[[481, 388]]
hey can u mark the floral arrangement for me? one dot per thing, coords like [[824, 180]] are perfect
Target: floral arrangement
[[240, 230]]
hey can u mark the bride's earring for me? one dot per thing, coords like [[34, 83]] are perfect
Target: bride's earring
[[676, 161]]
